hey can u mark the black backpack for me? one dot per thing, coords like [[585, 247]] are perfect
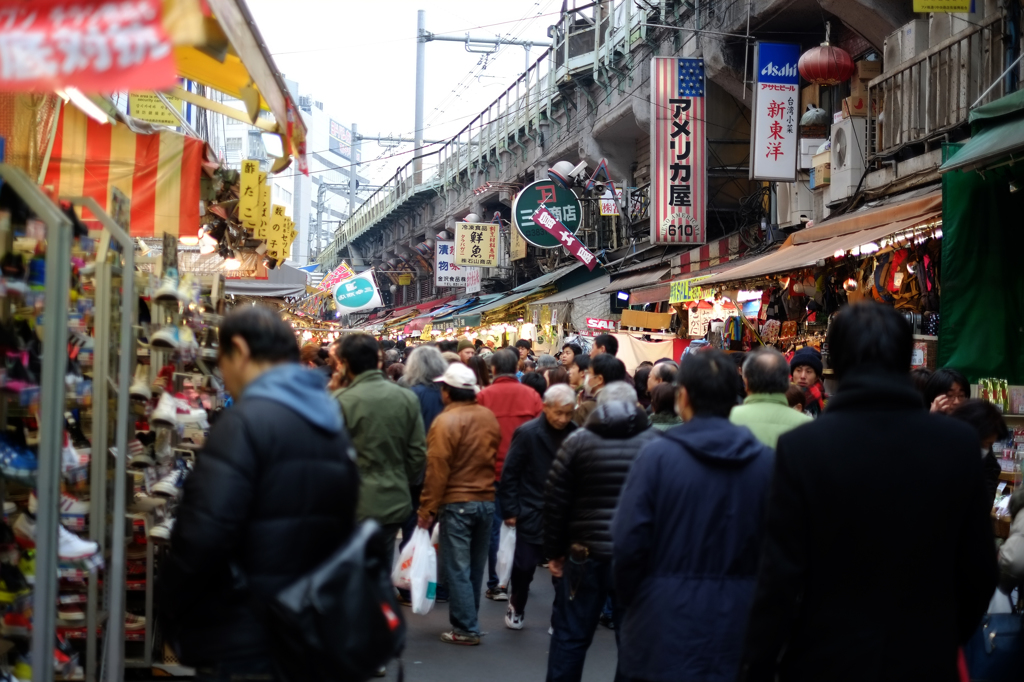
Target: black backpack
[[341, 621]]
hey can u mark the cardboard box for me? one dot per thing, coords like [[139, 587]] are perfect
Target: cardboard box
[[642, 320], [821, 175], [858, 88], [824, 157], [867, 70], [855, 106], [809, 95]]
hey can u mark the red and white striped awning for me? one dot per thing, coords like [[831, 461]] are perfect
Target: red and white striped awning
[[690, 264]]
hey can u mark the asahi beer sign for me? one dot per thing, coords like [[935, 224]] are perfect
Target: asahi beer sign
[[678, 151], [773, 147]]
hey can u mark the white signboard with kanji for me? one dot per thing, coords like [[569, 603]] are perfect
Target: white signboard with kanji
[[773, 140], [446, 272]]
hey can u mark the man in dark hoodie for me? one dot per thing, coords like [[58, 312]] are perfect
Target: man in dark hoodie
[[579, 501], [687, 534], [273, 495]]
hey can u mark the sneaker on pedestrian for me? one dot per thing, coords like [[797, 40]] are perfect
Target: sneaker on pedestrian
[[453, 637], [497, 594], [162, 530], [606, 620], [140, 389], [513, 620]]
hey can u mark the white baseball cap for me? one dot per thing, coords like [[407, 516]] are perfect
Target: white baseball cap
[[459, 376]]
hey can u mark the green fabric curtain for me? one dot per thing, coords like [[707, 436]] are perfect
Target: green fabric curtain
[[982, 277]]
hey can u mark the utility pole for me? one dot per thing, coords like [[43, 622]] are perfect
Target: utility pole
[[353, 170], [421, 55]]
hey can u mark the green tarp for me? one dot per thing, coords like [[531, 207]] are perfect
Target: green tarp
[[997, 136], [982, 277]]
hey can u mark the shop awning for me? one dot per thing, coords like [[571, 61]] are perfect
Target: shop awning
[[468, 311], [283, 281], [549, 278], [585, 289], [997, 136], [637, 279], [807, 247], [159, 173]]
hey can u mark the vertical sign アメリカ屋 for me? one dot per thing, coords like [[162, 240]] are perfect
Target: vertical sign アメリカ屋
[[678, 151], [773, 148]]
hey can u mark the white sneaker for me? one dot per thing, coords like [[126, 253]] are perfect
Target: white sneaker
[[73, 512], [186, 289], [166, 412], [69, 545], [171, 484], [162, 530], [513, 620], [9, 507], [168, 289], [140, 389], [166, 337]]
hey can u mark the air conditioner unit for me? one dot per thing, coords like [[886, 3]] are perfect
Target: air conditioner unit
[[849, 142], [795, 201], [905, 44]]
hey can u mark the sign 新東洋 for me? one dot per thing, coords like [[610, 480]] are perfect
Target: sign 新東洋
[[561, 202], [678, 151], [773, 147], [476, 244]]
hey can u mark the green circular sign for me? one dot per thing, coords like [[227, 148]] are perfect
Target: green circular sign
[[552, 195], [354, 293]]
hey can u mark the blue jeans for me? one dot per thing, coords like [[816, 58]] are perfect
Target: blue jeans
[[492, 551], [464, 538], [579, 598]]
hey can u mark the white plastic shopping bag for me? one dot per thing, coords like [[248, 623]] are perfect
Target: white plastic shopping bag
[[506, 554], [423, 574], [402, 572]]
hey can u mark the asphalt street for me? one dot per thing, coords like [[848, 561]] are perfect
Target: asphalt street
[[503, 654]]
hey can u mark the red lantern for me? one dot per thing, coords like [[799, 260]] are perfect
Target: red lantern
[[826, 64]]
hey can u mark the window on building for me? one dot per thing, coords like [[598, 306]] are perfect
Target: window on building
[[233, 144]]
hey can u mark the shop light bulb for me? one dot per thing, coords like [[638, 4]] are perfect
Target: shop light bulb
[[850, 285], [86, 105], [839, 254], [207, 249], [189, 241], [232, 263]]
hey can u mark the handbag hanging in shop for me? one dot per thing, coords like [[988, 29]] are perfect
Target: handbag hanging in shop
[[995, 652], [341, 621]]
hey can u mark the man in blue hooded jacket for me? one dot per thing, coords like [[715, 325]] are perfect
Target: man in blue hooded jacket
[[687, 534], [272, 496]]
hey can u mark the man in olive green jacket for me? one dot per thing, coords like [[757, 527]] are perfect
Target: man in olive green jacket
[[765, 411], [386, 427]]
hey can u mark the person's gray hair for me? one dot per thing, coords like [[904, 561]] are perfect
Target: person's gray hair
[[617, 392], [392, 355], [559, 395], [665, 371], [766, 371], [547, 361], [424, 365]]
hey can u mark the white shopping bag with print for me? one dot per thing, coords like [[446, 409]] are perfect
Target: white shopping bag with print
[[402, 572], [423, 574], [506, 554]]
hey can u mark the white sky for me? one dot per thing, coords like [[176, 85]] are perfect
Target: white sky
[[359, 59]]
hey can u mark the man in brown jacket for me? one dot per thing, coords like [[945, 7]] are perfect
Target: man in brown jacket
[[459, 491]]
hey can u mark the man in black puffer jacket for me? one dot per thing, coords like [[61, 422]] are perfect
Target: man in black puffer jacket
[[273, 494], [582, 493]]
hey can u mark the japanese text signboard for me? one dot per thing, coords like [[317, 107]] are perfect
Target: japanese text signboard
[[561, 202], [773, 148], [146, 106], [446, 272], [943, 5], [472, 280], [476, 244], [338, 274], [678, 151], [92, 45], [610, 202], [357, 293], [543, 217]]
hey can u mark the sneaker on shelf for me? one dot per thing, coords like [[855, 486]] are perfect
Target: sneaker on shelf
[[17, 462], [135, 552], [186, 289], [187, 340], [166, 337], [9, 507], [22, 671], [188, 414], [171, 484], [166, 412], [513, 620], [27, 566], [143, 458], [162, 530], [497, 594], [164, 379], [134, 623], [73, 512], [209, 349], [168, 289], [69, 545], [140, 389], [71, 612], [12, 584]]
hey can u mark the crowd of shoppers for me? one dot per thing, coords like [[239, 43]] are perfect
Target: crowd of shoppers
[[727, 517]]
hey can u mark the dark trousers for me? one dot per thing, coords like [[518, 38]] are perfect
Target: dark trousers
[[261, 670], [524, 565], [492, 552], [579, 598]]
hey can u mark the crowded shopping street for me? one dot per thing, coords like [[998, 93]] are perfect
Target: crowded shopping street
[[561, 340]]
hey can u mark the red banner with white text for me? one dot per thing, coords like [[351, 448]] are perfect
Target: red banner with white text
[[96, 46], [571, 242]]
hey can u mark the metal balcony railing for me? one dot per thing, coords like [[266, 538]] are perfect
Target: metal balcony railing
[[929, 95]]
